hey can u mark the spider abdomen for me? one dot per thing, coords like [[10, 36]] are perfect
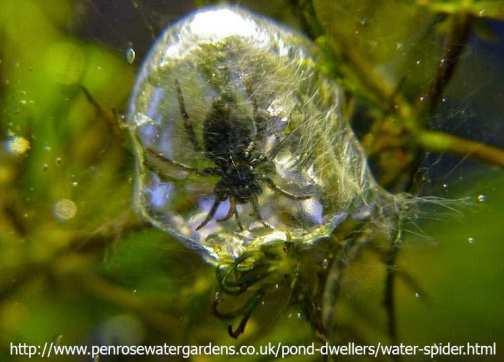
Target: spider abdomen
[[227, 135]]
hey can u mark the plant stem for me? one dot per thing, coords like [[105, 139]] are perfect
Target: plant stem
[[442, 142], [455, 43], [389, 294]]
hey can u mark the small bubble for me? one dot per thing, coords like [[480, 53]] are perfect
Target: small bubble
[[58, 160], [134, 291], [482, 198], [422, 98], [444, 186], [289, 315], [75, 184], [299, 315], [418, 62], [470, 240], [481, 12], [443, 99], [130, 55], [45, 167], [277, 286], [325, 263], [262, 302], [417, 295], [443, 60], [65, 209], [23, 101]]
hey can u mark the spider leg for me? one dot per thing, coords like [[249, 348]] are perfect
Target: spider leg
[[237, 217], [257, 212], [204, 172], [211, 213], [187, 121], [286, 193], [112, 117], [231, 211]]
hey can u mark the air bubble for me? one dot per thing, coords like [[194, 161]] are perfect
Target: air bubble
[[418, 62], [65, 209], [130, 55], [482, 198], [470, 240], [325, 263], [210, 63]]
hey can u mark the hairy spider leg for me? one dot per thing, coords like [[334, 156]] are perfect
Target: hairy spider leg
[[211, 213], [187, 121], [237, 217], [114, 120], [209, 171], [286, 193], [231, 210], [257, 212]]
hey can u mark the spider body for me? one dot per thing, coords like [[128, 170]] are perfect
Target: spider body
[[230, 141]]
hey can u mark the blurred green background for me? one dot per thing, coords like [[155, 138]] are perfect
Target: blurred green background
[[78, 266]]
